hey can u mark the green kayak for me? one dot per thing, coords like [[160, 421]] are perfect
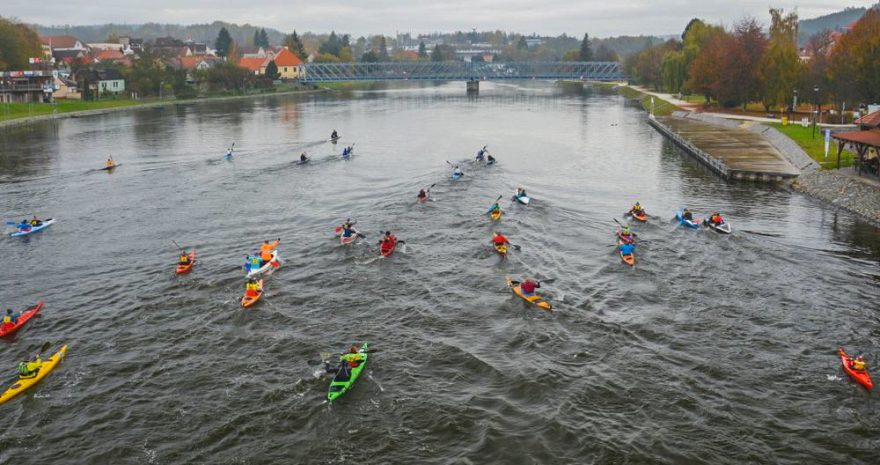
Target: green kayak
[[345, 378]]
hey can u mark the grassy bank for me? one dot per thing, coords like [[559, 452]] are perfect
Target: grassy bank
[[9, 111], [354, 85], [815, 148], [661, 107]]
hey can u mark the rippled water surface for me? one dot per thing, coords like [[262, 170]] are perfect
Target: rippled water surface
[[713, 349]]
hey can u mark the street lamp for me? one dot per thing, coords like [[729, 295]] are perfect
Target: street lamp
[[794, 102], [816, 112]]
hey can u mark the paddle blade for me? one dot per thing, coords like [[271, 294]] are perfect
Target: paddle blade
[[45, 347]]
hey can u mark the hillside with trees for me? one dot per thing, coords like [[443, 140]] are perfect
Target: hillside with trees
[[833, 22]]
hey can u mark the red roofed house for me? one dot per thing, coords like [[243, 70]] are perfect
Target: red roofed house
[[871, 120], [256, 65], [103, 56], [64, 43], [289, 65]]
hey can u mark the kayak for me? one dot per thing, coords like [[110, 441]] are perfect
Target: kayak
[[182, 269], [347, 240], [723, 228], [386, 250], [457, 176], [629, 259], [490, 162], [689, 223], [274, 263], [110, 168], [495, 215], [422, 199], [641, 216], [861, 376], [22, 319], [501, 248], [344, 379], [33, 229], [248, 300], [523, 199], [303, 162], [22, 385], [534, 299]]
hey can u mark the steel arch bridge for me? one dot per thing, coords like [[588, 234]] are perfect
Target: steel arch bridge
[[461, 71]]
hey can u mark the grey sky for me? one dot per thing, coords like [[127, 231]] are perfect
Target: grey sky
[[601, 18]]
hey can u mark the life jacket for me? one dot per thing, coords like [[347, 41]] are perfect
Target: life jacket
[[499, 239], [858, 364], [717, 219], [636, 208], [109, 162], [7, 319], [347, 232], [353, 360], [184, 259], [528, 287], [255, 262]]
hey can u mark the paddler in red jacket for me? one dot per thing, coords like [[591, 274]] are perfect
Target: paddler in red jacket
[[388, 241], [528, 286], [499, 239], [267, 248]]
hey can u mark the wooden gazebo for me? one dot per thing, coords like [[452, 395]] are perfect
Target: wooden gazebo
[[864, 142]]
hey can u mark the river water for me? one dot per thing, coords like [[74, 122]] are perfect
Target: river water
[[713, 349]]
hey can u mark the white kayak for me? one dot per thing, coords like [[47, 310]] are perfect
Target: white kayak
[[523, 199], [266, 266], [33, 229], [723, 228]]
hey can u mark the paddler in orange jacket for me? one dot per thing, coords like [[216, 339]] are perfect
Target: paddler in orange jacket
[[267, 248]]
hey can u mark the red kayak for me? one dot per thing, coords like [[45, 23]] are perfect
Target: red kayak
[[182, 269], [22, 319], [626, 239], [387, 249], [861, 376]]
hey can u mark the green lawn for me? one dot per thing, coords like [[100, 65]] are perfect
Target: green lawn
[[815, 148], [10, 111], [661, 107]]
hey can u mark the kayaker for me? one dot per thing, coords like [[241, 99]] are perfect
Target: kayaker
[[252, 262], [627, 249], [528, 286], [636, 209], [353, 357], [490, 159], [334, 135], [35, 221], [687, 215], [9, 319], [716, 219], [252, 287], [229, 152], [30, 368], [184, 258], [520, 192], [348, 229], [423, 194], [858, 363], [626, 234], [24, 225], [494, 208], [456, 171], [303, 157], [267, 248], [481, 154], [346, 151], [499, 239], [389, 240], [110, 162]]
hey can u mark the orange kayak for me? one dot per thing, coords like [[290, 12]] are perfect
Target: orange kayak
[[861, 376], [628, 259], [181, 269], [641, 216], [250, 299]]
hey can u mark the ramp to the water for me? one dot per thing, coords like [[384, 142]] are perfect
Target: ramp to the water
[[731, 152]]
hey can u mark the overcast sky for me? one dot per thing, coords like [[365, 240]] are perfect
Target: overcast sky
[[600, 18]]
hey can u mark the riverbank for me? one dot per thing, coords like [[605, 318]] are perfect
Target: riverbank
[[82, 109], [842, 191]]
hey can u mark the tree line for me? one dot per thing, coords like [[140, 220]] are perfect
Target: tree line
[[747, 64]]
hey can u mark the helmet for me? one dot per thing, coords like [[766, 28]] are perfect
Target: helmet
[[626, 229], [387, 233], [354, 349]]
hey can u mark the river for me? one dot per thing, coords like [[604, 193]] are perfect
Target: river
[[713, 349]]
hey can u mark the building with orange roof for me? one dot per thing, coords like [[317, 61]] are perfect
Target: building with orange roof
[[289, 65], [256, 65]]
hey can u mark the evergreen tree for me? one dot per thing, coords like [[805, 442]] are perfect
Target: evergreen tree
[[586, 51], [383, 50], [436, 54], [423, 51], [224, 40], [295, 45], [272, 70], [522, 45], [264, 38], [332, 46], [256, 41]]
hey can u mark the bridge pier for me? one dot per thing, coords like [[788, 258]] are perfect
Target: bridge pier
[[473, 86]]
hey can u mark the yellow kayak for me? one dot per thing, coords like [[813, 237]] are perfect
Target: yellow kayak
[[495, 215], [533, 299], [23, 384]]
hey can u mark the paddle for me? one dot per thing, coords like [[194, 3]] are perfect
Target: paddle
[[44, 348], [178, 245], [493, 203], [325, 356]]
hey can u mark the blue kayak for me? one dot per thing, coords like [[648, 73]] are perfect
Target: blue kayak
[[691, 224], [457, 176], [34, 229]]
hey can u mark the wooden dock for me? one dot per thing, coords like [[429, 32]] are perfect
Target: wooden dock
[[731, 152]]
